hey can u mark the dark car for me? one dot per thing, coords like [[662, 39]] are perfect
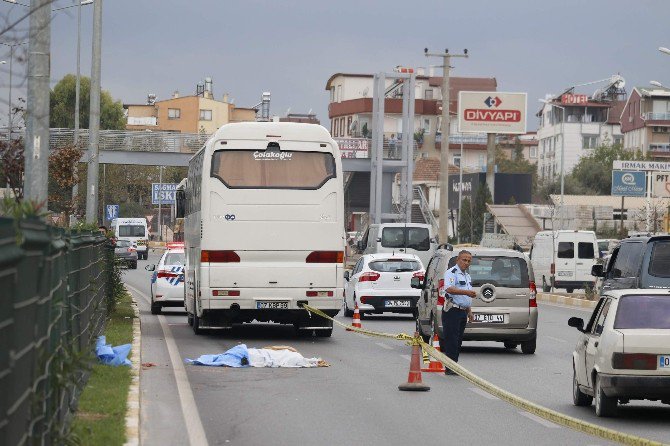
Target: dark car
[[637, 262], [126, 252]]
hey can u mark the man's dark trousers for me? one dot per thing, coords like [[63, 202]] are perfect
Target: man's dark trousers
[[453, 326]]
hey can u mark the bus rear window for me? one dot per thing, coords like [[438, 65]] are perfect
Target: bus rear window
[[272, 169], [131, 231]]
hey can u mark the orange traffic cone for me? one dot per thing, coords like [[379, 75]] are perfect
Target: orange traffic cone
[[414, 382], [434, 365], [356, 321]]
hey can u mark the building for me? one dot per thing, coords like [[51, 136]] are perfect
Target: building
[[528, 142], [306, 118], [350, 113], [576, 124], [198, 113], [645, 121]]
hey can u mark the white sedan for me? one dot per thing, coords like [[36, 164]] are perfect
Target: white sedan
[[167, 280], [623, 353], [382, 283]]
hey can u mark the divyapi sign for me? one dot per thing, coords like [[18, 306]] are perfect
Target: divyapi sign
[[491, 112]]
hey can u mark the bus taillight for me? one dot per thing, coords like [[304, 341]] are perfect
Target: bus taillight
[[325, 257], [219, 256]]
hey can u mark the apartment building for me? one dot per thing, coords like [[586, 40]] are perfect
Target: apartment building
[[528, 142], [198, 113], [575, 124], [645, 121], [350, 113]]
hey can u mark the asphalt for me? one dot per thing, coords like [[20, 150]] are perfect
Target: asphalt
[[356, 400]]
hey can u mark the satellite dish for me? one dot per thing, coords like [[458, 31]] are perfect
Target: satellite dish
[[365, 92], [618, 81]]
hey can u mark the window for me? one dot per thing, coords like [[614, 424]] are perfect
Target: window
[[341, 126], [428, 94], [175, 258], [639, 312], [618, 140], [131, 231], [511, 272], [205, 115], [349, 118], [481, 161], [339, 93], [426, 126], [272, 169], [406, 237], [594, 315], [174, 113], [585, 250], [600, 322], [589, 141], [332, 94], [659, 263], [627, 260], [456, 159], [566, 250], [123, 243], [532, 152], [394, 266]]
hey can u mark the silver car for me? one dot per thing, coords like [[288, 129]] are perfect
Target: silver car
[[126, 252], [505, 309]]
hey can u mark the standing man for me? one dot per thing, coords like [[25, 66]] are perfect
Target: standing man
[[457, 309]]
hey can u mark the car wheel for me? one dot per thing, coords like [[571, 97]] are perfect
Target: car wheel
[[569, 290], [510, 345], [579, 398], [133, 265], [605, 406], [545, 287], [155, 307], [528, 347], [425, 337], [347, 311]]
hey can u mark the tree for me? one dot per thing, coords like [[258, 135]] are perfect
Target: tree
[[465, 223], [594, 172], [63, 104], [482, 198], [517, 163]]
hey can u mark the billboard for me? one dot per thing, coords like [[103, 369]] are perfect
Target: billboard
[[629, 183], [662, 166], [509, 187], [164, 193], [491, 112], [660, 184]]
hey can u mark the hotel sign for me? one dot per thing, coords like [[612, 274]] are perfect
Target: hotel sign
[[574, 99]]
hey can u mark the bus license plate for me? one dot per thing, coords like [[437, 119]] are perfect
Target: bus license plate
[[664, 361], [397, 303], [272, 305], [492, 318]]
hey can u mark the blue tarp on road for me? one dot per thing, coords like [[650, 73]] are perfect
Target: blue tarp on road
[[237, 356], [109, 355]]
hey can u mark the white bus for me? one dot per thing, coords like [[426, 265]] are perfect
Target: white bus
[[264, 227], [134, 230]]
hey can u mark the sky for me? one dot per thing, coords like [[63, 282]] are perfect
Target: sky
[[292, 47]]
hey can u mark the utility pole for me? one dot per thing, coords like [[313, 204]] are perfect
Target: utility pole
[[77, 88], [444, 145], [94, 118], [37, 105]]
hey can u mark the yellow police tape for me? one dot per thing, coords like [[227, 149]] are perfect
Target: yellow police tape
[[535, 409]]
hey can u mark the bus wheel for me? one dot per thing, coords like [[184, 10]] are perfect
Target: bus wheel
[[196, 324], [189, 319]]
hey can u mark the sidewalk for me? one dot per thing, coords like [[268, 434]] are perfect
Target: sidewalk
[[564, 300]]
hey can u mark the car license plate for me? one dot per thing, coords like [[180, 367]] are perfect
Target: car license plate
[[565, 273], [141, 242], [492, 318], [272, 305], [664, 361], [397, 303]]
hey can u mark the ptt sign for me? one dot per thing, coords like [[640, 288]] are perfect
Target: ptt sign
[[661, 184], [491, 112]]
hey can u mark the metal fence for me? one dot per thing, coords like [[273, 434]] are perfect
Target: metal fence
[[53, 286]]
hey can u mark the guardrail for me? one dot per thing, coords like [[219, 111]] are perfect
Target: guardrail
[[54, 286]]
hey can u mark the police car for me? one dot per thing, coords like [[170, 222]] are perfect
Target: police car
[[167, 280]]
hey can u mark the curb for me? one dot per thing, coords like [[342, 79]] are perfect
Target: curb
[[133, 402], [569, 301]]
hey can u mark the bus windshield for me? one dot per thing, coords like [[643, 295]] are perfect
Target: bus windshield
[[272, 169]]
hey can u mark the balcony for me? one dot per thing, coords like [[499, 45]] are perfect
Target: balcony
[[467, 138], [656, 116]]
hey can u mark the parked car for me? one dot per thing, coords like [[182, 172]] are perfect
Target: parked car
[[606, 245], [126, 252], [505, 309], [637, 262], [408, 238], [167, 280], [566, 257], [381, 283], [623, 353]]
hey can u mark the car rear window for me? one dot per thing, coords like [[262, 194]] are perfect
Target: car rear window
[[643, 312], [272, 169], [174, 258], [122, 243], [659, 263], [403, 237], [394, 266], [511, 272]]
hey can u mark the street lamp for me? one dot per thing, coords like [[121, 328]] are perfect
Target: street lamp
[[562, 153]]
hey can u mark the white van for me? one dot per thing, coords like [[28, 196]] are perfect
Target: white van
[[564, 258], [410, 238], [264, 227], [134, 230]]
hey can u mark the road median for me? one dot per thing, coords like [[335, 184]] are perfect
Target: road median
[[564, 300]]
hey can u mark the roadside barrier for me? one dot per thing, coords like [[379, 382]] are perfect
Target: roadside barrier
[[528, 406], [414, 382], [356, 320], [434, 365]]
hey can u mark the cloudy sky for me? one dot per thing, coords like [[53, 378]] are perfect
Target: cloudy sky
[[291, 47]]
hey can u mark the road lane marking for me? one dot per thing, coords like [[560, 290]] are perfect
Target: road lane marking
[[382, 345], [194, 427], [556, 339], [539, 420], [480, 392]]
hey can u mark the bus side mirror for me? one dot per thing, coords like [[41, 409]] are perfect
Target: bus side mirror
[[181, 203]]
